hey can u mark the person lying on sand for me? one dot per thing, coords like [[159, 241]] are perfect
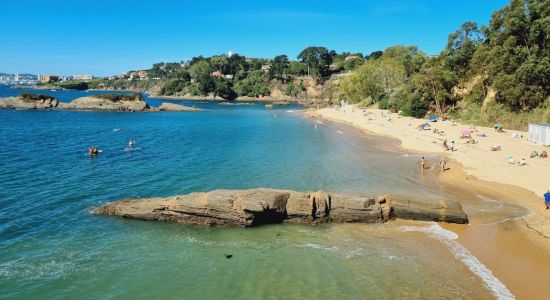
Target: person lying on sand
[[534, 154], [543, 154], [495, 147]]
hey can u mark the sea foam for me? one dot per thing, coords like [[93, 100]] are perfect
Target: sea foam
[[448, 238]]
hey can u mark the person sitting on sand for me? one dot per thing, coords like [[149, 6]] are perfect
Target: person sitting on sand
[[522, 162], [547, 199], [543, 154], [495, 147], [534, 154], [510, 160]]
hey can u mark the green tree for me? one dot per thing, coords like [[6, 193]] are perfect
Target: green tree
[[409, 57], [434, 83], [201, 73], [318, 60], [297, 68], [279, 68], [223, 88], [254, 85]]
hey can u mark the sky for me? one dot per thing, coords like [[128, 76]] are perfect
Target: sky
[[106, 37]]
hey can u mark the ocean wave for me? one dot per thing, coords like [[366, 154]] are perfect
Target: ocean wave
[[448, 238]]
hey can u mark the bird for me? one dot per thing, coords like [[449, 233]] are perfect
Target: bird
[[228, 256]]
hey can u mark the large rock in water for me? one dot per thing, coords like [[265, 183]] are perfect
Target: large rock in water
[[19, 103], [167, 106], [93, 103], [264, 206]]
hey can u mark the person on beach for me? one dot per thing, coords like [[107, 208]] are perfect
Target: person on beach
[[547, 199], [442, 164], [453, 146], [422, 163], [522, 162], [445, 145]]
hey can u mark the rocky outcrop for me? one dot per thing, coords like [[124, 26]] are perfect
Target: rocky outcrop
[[93, 103], [264, 206], [167, 106], [19, 103], [90, 103]]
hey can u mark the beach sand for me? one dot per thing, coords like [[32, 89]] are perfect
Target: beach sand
[[510, 227], [477, 160]]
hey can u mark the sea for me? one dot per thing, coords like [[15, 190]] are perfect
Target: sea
[[53, 247]]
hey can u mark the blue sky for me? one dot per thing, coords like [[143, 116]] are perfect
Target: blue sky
[[103, 37]]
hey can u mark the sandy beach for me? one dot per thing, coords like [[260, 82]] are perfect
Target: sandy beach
[[477, 159], [512, 243]]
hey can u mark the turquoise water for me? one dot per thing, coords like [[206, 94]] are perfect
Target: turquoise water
[[52, 247]]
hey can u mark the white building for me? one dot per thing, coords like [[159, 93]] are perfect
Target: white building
[[540, 134], [83, 77]]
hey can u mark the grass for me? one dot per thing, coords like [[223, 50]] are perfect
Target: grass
[[496, 113]]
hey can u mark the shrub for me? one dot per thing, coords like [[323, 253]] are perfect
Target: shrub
[[120, 97], [35, 97]]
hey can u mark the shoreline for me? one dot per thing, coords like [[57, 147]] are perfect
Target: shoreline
[[515, 248], [477, 160]]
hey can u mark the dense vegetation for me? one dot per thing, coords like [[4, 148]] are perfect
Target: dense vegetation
[[499, 72], [120, 97], [34, 97]]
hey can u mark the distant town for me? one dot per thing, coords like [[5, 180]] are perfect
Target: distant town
[[31, 79]]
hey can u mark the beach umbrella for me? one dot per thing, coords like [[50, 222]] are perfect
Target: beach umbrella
[[465, 133]]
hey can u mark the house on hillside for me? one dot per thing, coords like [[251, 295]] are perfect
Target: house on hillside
[[49, 78], [217, 74], [349, 57]]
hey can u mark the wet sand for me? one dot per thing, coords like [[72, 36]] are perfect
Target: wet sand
[[517, 255]]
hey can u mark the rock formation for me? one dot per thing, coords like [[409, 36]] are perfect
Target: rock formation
[[264, 206], [89, 103], [93, 103], [19, 103], [167, 106]]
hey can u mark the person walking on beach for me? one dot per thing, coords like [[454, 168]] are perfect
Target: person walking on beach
[[422, 164], [547, 199], [442, 164]]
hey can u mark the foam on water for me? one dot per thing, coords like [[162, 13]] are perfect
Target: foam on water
[[448, 238]]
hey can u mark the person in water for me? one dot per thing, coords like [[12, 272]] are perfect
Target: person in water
[[90, 150], [547, 199]]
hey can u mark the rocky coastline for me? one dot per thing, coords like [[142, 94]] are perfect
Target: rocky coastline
[[254, 207], [90, 103]]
